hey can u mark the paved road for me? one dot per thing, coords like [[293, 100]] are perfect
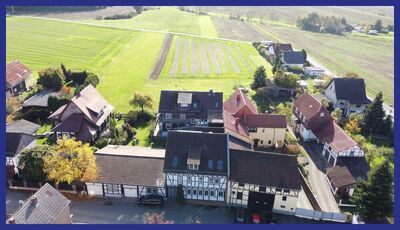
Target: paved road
[[125, 211], [317, 168]]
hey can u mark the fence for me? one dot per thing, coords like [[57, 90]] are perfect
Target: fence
[[318, 215], [33, 186]]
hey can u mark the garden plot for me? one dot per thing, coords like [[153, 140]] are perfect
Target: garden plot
[[234, 29], [198, 57], [161, 57]]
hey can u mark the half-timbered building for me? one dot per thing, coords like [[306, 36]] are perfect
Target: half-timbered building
[[128, 171], [263, 181], [199, 162]]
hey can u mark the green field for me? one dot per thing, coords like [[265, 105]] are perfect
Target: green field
[[372, 57], [124, 58], [168, 19]]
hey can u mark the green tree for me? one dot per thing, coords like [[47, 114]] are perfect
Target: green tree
[[92, 79], [337, 115], [378, 25], [259, 78], [51, 78], [374, 118], [352, 126], [180, 196], [284, 109], [374, 197], [141, 101], [286, 80], [70, 161], [31, 163]]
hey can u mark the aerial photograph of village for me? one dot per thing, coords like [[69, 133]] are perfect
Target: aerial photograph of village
[[199, 114]]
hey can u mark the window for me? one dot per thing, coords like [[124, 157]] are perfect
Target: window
[[269, 142], [220, 164], [210, 164], [239, 195], [200, 192], [220, 194], [200, 180], [192, 121], [216, 181], [188, 192], [216, 104], [194, 105], [205, 192], [148, 190], [112, 189], [263, 130], [358, 105], [175, 162], [168, 116], [241, 185], [261, 142], [262, 189], [155, 190], [283, 206], [194, 192], [193, 167], [331, 87], [284, 198], [182, 116], [352, 153], [212, 193], [168, 125], [322, 114], [286, 191]]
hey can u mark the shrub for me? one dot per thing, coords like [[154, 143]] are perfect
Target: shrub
[[287, 80], [51, 78], [53, 103], [92, 79], [101, 143], [119, 16], [35, 114], [78, 77]]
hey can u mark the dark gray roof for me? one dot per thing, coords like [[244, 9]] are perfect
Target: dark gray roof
[[78, 123], [351, 89], [22, 126], [358, 166], [293, 57], [130, 170], [263, 168], [48, 206], [16, 142], [212, 146], [40, 99], [202, 103]]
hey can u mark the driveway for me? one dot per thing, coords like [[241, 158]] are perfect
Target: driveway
[[125, 211], [317, 178]]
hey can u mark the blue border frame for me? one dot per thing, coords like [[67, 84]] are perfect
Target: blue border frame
[[3, 3]]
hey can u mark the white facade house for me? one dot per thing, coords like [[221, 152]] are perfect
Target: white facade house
[[347, 94], [199, 163], [128, 171], [314, 71]]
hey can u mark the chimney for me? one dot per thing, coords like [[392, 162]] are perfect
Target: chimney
[[34, 200], [11, 221]]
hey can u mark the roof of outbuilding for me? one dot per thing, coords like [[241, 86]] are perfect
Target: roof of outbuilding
[[130, 169], [22, 126], [212, 146], [266, 169], [265, 120], [49, 204], [40, 99], [351, 89], [16, 142], [16, 72], [294, 57], [340, 176]]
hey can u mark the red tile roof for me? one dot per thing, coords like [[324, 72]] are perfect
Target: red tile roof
[[16, 72], [308, 105], [237, 102], [333, 135], [235, 125]]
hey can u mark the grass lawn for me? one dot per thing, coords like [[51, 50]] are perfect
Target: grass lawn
[[123, 59], [372, 57], [169, 19]]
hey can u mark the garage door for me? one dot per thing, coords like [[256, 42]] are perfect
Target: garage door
[[261, 201]]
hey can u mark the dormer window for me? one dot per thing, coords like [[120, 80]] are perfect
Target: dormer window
[[210, 164], [220, 165], [193, 167], [216, 104], [168, 116], [175, 162], [322, 114], [194, 105]]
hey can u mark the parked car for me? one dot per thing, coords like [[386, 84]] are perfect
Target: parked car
[[256, 218], [151, 199]]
